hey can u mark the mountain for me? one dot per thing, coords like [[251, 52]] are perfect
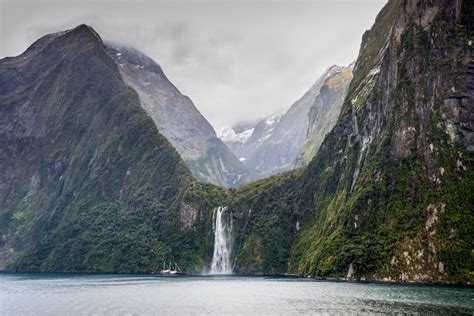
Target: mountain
[[388, 195], [245, 138], [282, 142], [87, 183], [324, 111], [178, 119]]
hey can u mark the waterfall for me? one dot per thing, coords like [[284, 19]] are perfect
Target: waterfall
[[363, 150], [364, 143], [222, 243]]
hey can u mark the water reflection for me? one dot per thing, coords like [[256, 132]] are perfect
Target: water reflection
[[132, 294]]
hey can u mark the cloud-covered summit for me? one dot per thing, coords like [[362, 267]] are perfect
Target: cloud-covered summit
[[237, 60]]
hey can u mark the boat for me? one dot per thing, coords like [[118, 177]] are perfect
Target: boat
[[164, 270], [169, 271], [176, 270]]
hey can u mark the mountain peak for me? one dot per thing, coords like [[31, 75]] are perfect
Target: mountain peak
[[85, 30], [80, 36]]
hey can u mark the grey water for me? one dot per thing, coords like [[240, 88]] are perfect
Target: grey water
[[35, 294]]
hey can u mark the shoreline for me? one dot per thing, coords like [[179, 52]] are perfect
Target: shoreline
[[242, 275]]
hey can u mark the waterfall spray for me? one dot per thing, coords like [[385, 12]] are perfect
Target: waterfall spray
[[222, 243]]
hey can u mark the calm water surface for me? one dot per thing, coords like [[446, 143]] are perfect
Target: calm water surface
[[22, 294]]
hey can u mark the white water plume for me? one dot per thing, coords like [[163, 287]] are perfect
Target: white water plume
[[221, 263]]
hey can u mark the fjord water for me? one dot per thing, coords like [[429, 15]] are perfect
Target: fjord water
[[145, 294]]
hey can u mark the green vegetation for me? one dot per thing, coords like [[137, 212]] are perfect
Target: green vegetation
[[212, 164], [96, 188], [99, 189], [409, 214]]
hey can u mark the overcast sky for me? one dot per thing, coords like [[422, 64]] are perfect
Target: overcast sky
[[237, 60]]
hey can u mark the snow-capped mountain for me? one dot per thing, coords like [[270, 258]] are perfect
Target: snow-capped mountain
[[281, 142], [229, 135], [244, 139]]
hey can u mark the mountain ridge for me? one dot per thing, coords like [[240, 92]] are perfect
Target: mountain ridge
[[282, 142], [178, 119]]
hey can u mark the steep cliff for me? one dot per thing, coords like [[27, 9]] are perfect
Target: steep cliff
[[324, 112], [392, 183]]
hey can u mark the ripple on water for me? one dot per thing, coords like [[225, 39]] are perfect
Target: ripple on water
[[112, 294]]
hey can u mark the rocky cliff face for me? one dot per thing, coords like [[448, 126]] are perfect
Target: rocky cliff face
[[394, 174], [282, 142], [389, 193], [178, 119]]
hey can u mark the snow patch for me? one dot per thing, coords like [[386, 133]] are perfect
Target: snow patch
[[374, 71], [228, 135], [264, 138], [275, 118]]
